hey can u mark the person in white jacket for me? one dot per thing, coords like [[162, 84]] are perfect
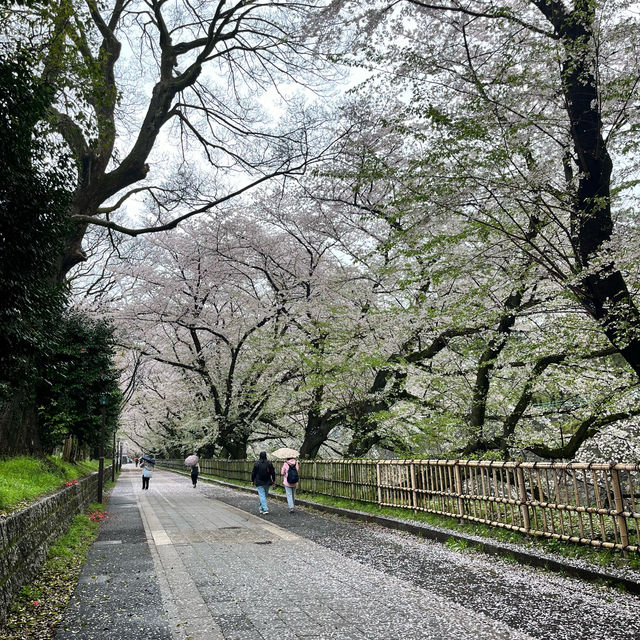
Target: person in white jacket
[[146, 473]]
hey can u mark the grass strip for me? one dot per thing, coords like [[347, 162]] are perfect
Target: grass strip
[[25, 478]]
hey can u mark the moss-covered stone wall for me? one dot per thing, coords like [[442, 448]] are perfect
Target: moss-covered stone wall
[[25, 536]]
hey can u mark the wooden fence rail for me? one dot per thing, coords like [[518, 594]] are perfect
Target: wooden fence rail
[[591, 504]]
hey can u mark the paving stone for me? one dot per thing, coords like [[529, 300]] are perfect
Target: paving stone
[[536, 603], [117, 592]]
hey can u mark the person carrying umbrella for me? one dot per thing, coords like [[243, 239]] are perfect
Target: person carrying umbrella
[[147, 465], [290, 473], [263, 476], [192, 461]]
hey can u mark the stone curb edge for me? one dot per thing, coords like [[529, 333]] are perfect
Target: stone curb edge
[[442, 535]]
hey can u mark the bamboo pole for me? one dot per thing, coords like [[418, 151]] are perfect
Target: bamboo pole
[[522, 491], [412, 486], [596, 490], [622, 521], [632, 493], [458, 477]]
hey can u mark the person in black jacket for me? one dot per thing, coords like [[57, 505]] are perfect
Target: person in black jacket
[[195, 471], [263, 476]]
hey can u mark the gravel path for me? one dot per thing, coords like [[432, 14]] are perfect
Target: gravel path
[[540, 604]]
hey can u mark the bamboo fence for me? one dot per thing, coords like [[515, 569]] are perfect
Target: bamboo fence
[[591, 504]]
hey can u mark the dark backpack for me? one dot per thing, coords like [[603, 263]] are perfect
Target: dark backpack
[[292, 475]]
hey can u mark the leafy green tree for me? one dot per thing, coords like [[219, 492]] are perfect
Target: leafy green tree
[[199, 67], [33, 201], [80, 375]]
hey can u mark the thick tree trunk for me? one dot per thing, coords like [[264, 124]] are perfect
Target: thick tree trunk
[[603, 292], [606, 297], [317, 429], [487, 363], [233, 441], [19, 427]]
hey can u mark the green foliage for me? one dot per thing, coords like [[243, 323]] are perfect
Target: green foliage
[[33, 199], [29, 592], [24, 478], [456, 544], [65, 548], [79, 374]]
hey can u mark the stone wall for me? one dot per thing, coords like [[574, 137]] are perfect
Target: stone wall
[[25, 536]]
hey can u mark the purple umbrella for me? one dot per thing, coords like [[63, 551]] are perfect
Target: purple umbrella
[[191, 461]]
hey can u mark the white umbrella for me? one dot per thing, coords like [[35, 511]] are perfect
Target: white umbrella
[[191, 461], [284, 454]]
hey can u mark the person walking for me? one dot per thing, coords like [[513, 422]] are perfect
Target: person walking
[[136, 461], [146, 473], [263, 476], [195, 471], [290, 472]]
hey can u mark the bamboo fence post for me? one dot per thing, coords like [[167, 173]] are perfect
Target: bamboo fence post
[[483, 505], [522, 491], [622, 521], [412, 485], [596, 491], [315, 477], [611, 506], [331, 481], [458, 477], [632, 507], [440, 485], [352, 485], [496, 513], [509, 493], [378, 483], [558, 499]]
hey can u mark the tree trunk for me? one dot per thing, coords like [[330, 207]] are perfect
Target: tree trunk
[[603, 292], [19, 427]]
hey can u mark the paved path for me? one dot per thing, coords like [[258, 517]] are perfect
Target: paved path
[[190, 564]]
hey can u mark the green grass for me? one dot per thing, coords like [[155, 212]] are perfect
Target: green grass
[[78, 538], [38, 609], [457, 545], [22, 479]]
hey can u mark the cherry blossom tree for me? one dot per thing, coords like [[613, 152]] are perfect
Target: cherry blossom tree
[[519, 118], [459, 279], [508, 330], [137, 80]]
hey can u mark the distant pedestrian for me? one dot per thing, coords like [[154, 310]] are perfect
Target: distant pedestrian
[[195, 471], [146, 473], [136, 461], [290, 471], [263, 476]]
